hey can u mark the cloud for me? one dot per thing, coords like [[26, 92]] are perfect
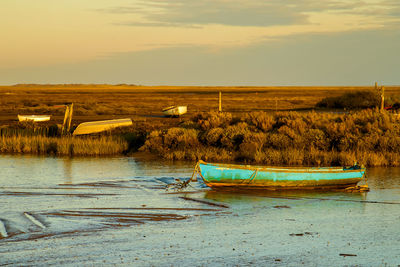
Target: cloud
[[157, 24], [387, 12], [392, 8], [233, 13], [189, 13]]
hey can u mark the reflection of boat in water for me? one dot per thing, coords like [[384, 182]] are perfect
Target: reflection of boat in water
[[100, 126], [34, 118], [234, 195], [282, 199], [227, 176], [175, 111]]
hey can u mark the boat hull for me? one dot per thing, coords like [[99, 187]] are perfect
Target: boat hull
[[175, 111], [101, 126], [253, 177], [35, 118]]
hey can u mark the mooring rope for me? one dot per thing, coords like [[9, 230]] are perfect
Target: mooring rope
[[181, 185], [250, 179]]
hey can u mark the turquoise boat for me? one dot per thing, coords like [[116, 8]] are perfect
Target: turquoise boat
[[220, 176]]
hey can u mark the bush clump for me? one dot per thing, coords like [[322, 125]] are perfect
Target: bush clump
[[285, 138], [352, 100]]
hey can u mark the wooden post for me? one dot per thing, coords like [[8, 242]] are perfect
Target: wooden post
[[71, 107], [376, 86], [382, 98], [67, 118], [220, 102]]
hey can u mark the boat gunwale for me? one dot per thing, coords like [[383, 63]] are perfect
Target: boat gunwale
[[168, 108], [172, 107], [105, 122]]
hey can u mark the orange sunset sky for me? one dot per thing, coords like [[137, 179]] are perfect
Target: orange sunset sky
[[202, 42]]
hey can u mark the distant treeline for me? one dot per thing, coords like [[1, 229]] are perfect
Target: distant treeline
[[358, 100], [286, 138]]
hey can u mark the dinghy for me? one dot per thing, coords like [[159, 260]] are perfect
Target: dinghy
[[216, 175], [101, 126], [174, 111], [34, 118]]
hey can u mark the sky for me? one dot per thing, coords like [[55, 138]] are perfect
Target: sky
[[200, 42]]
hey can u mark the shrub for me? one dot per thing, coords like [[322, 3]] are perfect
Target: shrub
[[154, 143], [352, 100], [293, 157], [260, 120], [181, 138], [213, 119], [316, 138], [278, 141], [213, 137], [250, 148], [234, 136]]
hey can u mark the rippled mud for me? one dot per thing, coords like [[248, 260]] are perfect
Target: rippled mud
[[84, 218], [119, 212]]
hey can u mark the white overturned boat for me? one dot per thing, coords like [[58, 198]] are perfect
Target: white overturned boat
[[34, 117], [100, 126], [175, 111]]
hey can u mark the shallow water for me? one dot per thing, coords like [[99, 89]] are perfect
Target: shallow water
[[101, 211]]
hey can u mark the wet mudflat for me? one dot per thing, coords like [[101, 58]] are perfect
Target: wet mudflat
[[101, 211]]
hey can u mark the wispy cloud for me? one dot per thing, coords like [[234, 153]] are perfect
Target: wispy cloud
[[235, 13], [189, 13], [392, 8], [156, 24]]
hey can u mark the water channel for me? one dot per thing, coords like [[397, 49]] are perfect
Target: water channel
[[102, 211]]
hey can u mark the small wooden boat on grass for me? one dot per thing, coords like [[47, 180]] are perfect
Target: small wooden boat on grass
[[174, 111], [35, 118], [220, 176], [100, 126]]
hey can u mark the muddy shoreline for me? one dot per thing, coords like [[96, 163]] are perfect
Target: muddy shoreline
[[116, 211]]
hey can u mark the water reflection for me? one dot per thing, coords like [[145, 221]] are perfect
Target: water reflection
[[235, 196], [384, 178], [67, 162]]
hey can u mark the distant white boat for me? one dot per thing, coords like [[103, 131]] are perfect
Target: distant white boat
[[175, 111], [100, 126], [34, 117]]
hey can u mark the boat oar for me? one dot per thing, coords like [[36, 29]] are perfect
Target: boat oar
[[3, 230], [34, 220]]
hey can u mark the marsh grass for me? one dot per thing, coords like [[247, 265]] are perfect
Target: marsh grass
[[286, 138], [30, 129], [71, 146], [251, 132], [92, 101]]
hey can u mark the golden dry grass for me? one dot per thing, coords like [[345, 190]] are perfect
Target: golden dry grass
[[98, 102], [251, 131], [71, 146]]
